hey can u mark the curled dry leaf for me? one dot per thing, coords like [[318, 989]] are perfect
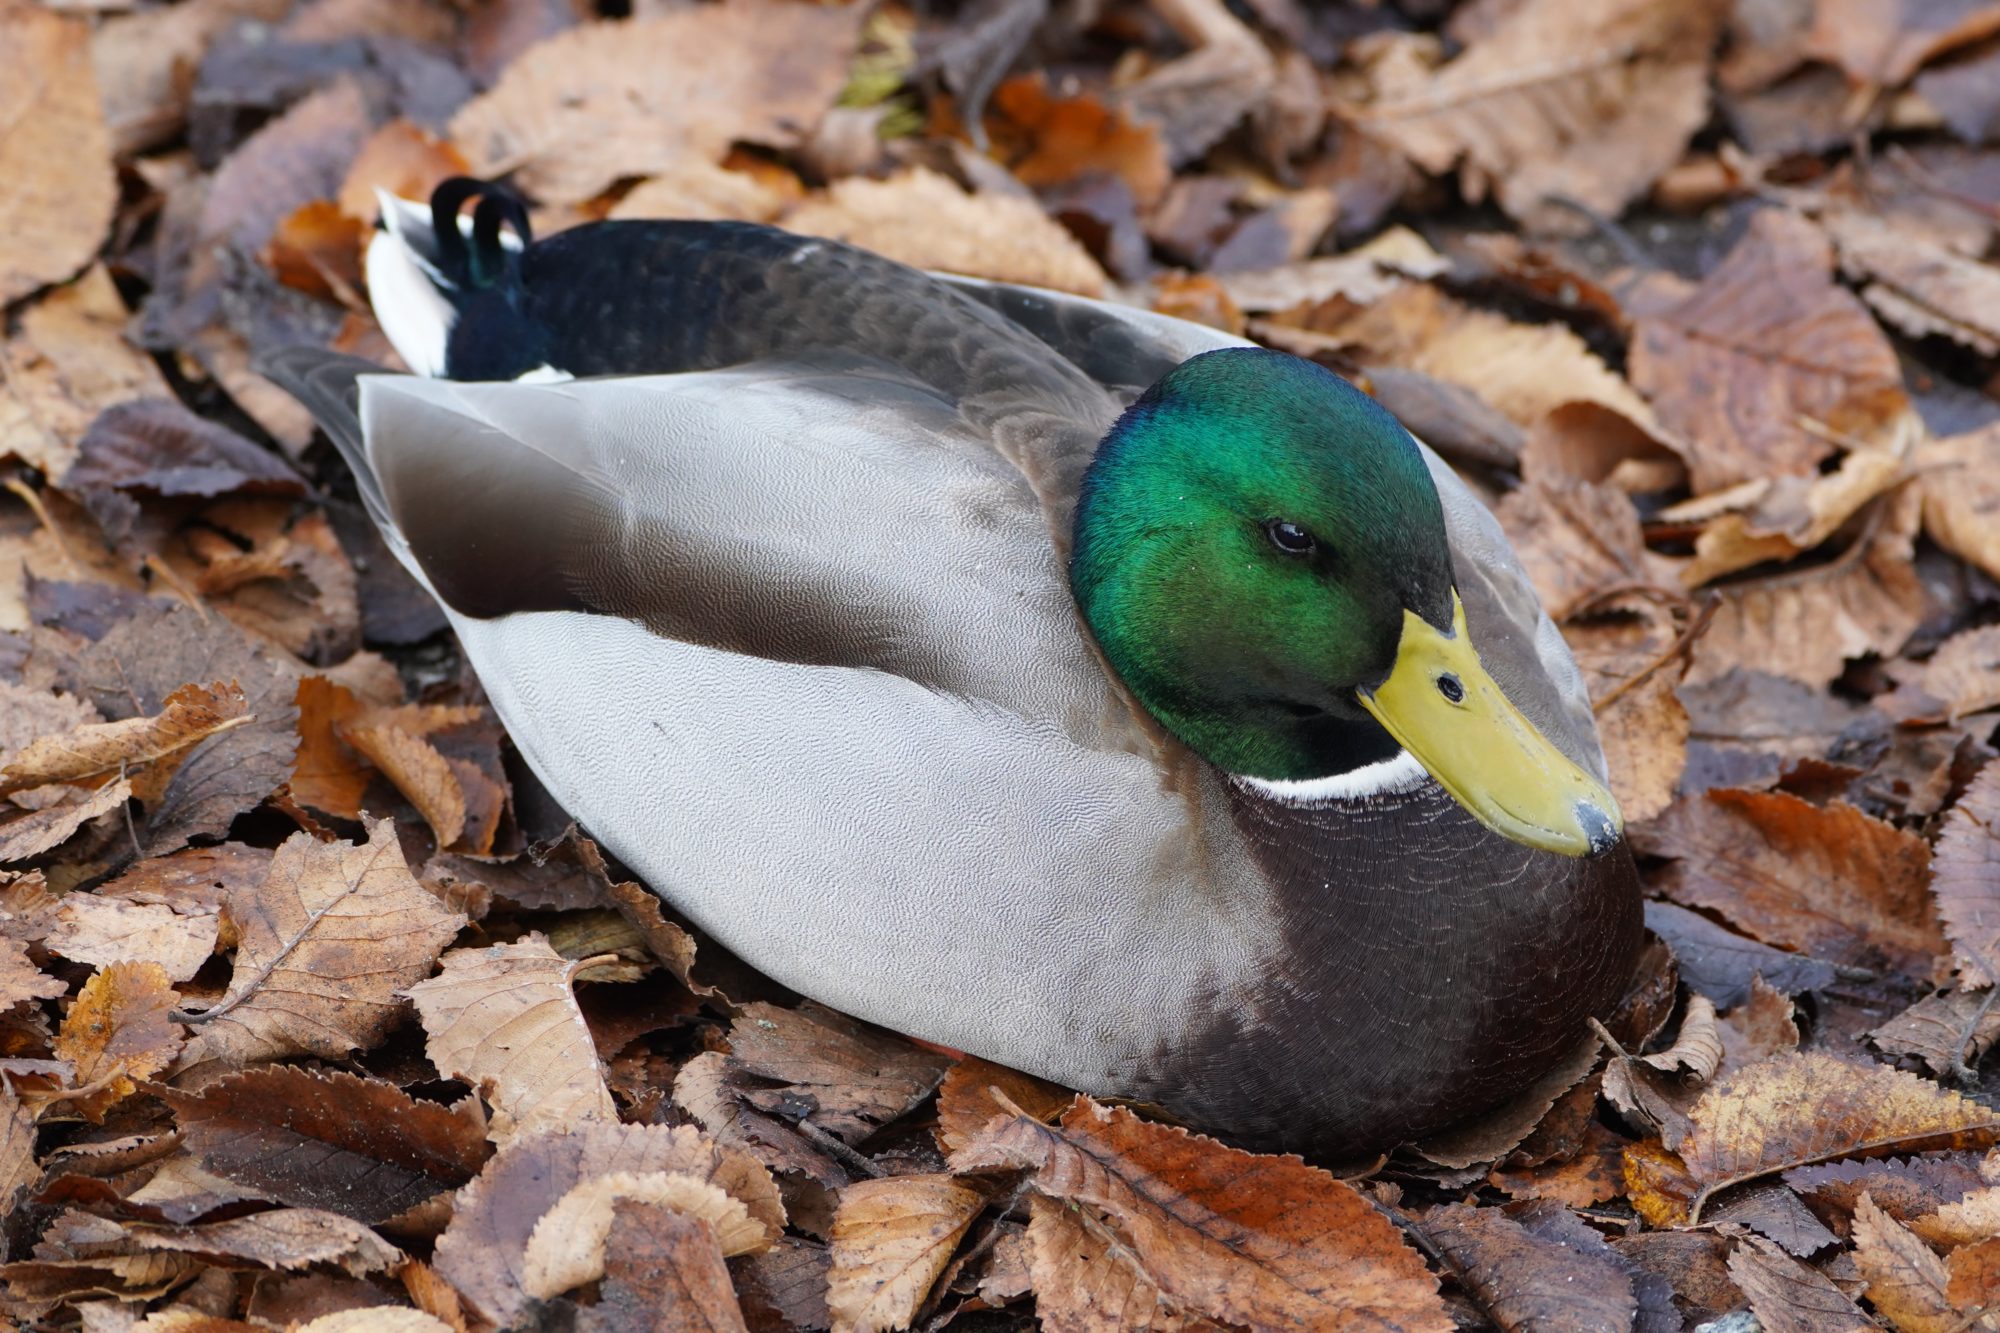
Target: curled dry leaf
[[325, 944], [1884, 42], [566, 1248], [1788, 1297], [356, 1146], [1766, 339], [609, 100], [419, 772], [55, 152], [1959, 479], [284, 1238], [482, 1253], [17, 1149], [1631, 664], [1535, 1267], [1085, 1280], [1828, 880], [1792, 515], [1559, 101], [967, 1100], [119, 1031], [1796, 1110], [506, 1019], [1965, 878], [891, 1240], [101, 931], [93, 752], [1241, 1238], [925, 220], [1961, 677]]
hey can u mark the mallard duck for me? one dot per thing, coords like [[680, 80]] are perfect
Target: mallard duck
[[1061, 683]]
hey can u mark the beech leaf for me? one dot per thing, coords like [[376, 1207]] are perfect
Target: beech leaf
[[891, 1240]]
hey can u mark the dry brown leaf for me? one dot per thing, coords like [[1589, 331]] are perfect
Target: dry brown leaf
[[144, 60], [698, 190], [1961, 677], [663, 1270], [1788, 1297], [403, 159], [1829, 880], [69, 362], [1791, 515], [1594, 1174], [1918, 285], [1627, 660], [925, 220], [1054, 140], [1241, 1238], [1949, 1031], [859, 1077], [95, 751], [1796, 1110], [45, 830], [566, 1248], [1559, 101], [1965, 879], [1974, 1272], [1767, 338], [609, 100], [21, 980], [374, 1319], [55, 153], [891, 1240], [326, 942], [1535, 1267], [419, 772], [1884, 42], [118, 1031], [1084, 1278], [1959, 479], [1906, 1280], [966, 1100], [482, 1251], [505, 1018], [282, 1238], [17, 1149], [1577, 540], [101, 931]]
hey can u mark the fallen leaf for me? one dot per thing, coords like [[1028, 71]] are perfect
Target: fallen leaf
[[326, 943], [419, 772], [1829, 880], [923, 219], [1959, 479], [402, 159], [54, 152], [1241, 1238], [1810, 1107], [785, 1286], [1921, 287], [1767, 338], [95, 751], [1084, 1278], [21, 980], [1965, 878], [1791, 515], [1559, 101], [483, 1250], [506, 1018], [663, 1270], [567, 1248], [1884, 42], [1949, 1031], [284, 1238], [143, 60], [1536, 1267], [891, 1240], [43, 831], [860, 1077], [1961, 677], [1788, 1297], [1974, 1275], [118, 1032], [1049, 140], [17, 1149], [102, 931], [619, 99], [1628, 657], [1906, 1280], [69, 361], [1595, 1173], [359, 1147], [967, 1100]]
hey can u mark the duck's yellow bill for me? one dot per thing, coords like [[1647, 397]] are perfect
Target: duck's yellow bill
[[1441, 705]]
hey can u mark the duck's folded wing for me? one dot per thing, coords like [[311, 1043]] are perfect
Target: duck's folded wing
[[798, 514], [1126, 349]]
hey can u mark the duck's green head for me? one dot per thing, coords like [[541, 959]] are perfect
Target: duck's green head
[[1262, 556]]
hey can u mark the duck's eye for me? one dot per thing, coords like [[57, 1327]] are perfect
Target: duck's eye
[[1289, 537], [1451, 688]]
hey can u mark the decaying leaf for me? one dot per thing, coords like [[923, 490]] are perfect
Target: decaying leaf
[[505, 1018], [860, 1077], [119, 1031], [1535, 1267], [483, 1251], [1085, 1280], [54, 151], [567, 1247], [1788, 1297], [21, 980], [355, 1146], [326, 943], [102, 931], [1796, 1110], [891, 1240], [1828, 880], [1906, 1280], [1959, 479], [1244, 1239], [1919, 286], [1948, 1031], [1767, 339], [606, 100], [1965, 878], [663, 1269], [96, 751], [926, 221], [967, 1100]]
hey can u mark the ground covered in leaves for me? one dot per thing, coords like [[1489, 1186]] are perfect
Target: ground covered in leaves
[[315, 1014]]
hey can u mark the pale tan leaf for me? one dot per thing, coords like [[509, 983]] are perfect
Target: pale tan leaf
[[47, 829], [419, 772], [1918, 285], [102, 931], [119, 1030], [55, 153], [1788, 1297], [1084, 1279], [1627, 656], [891, 1240], [1906, 1279], [377, 1319], [96, 750], [1965, 878], [69, 362], [566, 1248], [1961, 677], [21, 980], [926, 221], [506, 1018], [1959, 479], [1793, 514], [325, 944], [17, 1149], [609, 100]]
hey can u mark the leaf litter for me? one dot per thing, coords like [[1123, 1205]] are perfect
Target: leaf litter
[[313, 1010]]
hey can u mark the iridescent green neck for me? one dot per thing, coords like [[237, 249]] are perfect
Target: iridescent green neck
[[1248, 651]]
